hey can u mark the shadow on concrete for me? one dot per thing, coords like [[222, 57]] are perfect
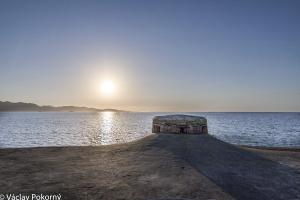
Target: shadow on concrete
[[241, 173]]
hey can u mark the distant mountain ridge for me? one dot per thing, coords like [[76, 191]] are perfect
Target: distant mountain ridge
[[21, 106]]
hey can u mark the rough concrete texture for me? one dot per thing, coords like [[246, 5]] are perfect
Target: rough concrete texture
[[162, 166], [182, 124]]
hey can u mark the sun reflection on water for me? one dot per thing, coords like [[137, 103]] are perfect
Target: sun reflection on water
[[106, 127]]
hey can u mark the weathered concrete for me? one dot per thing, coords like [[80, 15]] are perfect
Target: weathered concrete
[[243, 174], [182, 124], [163, 166]]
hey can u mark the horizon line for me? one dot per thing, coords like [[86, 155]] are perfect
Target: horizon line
[[143, 111]]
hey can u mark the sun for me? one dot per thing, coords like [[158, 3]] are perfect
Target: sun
[[107, 88]]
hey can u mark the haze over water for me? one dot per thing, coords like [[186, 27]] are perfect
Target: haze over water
[[35, 129]]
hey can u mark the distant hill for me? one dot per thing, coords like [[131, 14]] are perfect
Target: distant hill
[[20, 106]]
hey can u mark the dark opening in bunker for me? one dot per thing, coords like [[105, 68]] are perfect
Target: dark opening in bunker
[[157, 129], [204, 129], [182, 130]]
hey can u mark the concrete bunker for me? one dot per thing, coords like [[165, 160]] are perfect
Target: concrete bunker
[[180, 124]]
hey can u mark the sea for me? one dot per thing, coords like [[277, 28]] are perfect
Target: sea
[[43, 129]]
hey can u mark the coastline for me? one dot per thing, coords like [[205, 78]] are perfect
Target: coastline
[[163, 166], [285, 156], [292, 149]]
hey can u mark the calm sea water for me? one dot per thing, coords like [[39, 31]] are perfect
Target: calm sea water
[[31, 129]]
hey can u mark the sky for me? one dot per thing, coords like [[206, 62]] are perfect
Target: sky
[[210, 56]]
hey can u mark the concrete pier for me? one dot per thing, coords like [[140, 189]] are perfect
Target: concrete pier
[[160, 166]]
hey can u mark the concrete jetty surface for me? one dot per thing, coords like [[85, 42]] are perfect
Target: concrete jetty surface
[[160, 166]]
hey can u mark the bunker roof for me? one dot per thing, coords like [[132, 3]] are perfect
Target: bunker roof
[[180, 119]]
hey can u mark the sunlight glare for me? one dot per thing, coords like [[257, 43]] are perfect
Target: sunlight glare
[[107, 88]]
